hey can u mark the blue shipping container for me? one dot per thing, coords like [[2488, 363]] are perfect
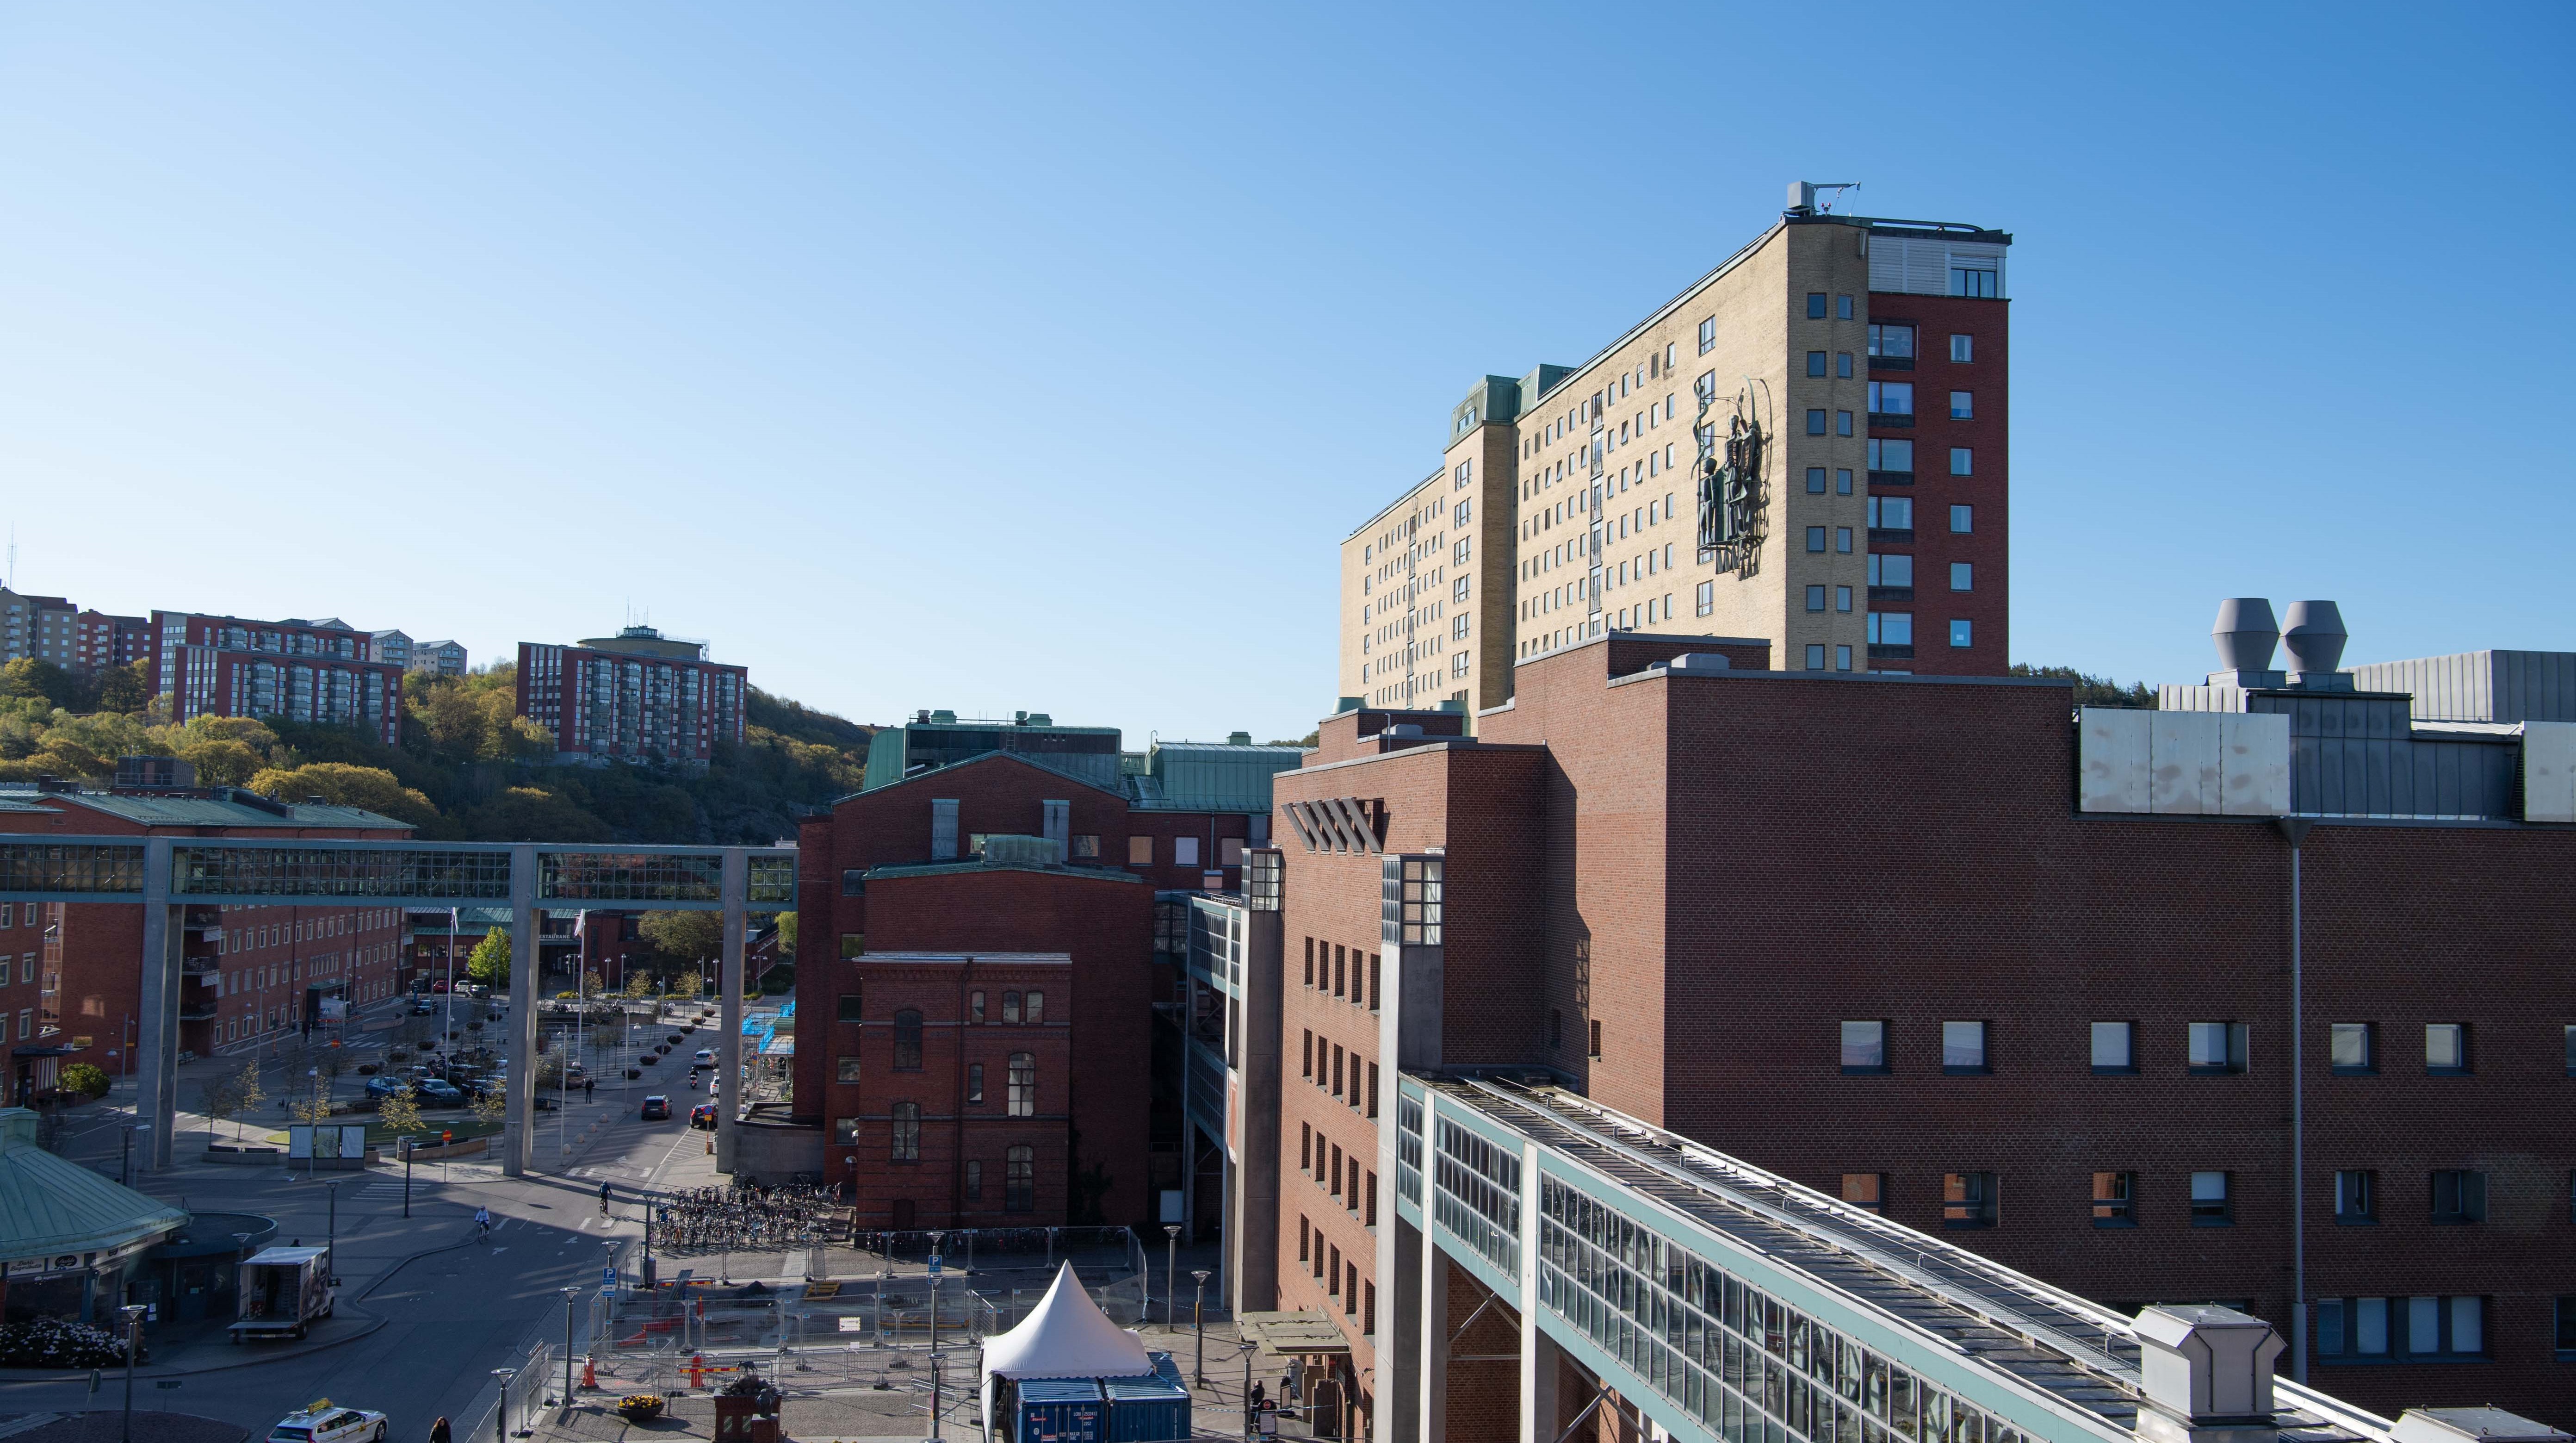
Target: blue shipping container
[[1169, 1370], [1146, 1410], [1058, 1410]]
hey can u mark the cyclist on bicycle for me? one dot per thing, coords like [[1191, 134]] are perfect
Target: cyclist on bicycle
[[483, 1223]]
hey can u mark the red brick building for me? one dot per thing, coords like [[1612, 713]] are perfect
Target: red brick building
[[1883, 934], [253, 974], [305, 671], [100, 641], [638, 696]]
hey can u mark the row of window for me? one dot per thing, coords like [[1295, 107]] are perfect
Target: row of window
[[2209, 1047], [1021, 1101], [1338, 1173], [1341, 1280], [1886, 513], [1345, 972], [1323, 1064], [2454, 1196]]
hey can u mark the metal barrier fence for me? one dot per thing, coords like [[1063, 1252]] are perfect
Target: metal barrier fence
[[892, 1313]]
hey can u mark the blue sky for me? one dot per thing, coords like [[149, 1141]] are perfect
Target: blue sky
[[1038, 357]]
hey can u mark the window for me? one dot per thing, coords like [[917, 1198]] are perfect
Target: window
[[1011, 1007], [1891, 398], [1963, 349], [1815, 423], [1842, 658], [907, 1132], [2459, 1196], [1963, 519], [2114, 1199], [1458, 589], [1020, 1179], [2352, 1049], [2571, 1052], [1961, 631], [2446, 1049], [1037, 1009], [1864, 1047], [1816, 598], [1185, 851], [1891, 568], [1815, 538], [1140, 851], [1843, 540], [1815, 480], [975, 1083], [1891, 513], [1815, 363], [853, 944], [1963, 461], [975, 1005], [2217, 1047], [1815, 305], [1843, 365], [849, 1009], [1024, 1084], [1842, 308], [1970, 282], [1815, 656], [2565, 1328], [1086, 846], [2115, 1047], [845, 1069], [1595, 1026], [1968, 1200], [1891, 341], [1842, 423], [1891, 456], [974, 1180], [907, 1041], [1963, 1048], [1708, 335], [1842, 481], [1891, 628], [845, 1130], [1963, 576], [2356, 1198], [854, 882], [1843, 599], [2371, 1329], [1707, 604], [1865, 1189], [1963, 405], [2211, 1207]]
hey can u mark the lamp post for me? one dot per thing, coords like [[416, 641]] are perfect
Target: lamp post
[[1171, 1261], [501, 1412], [569, 1295], [934, 1314], [331, 1238], [407, 1145], [1198, 1320], [125, 1153], [133, 1343]]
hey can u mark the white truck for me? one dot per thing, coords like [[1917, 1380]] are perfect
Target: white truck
[[283, 1292]]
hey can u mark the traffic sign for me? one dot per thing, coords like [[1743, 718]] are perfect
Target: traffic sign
[[608, 1276], [934, 1265]]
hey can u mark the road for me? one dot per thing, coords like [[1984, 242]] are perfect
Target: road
[[426, 1309]]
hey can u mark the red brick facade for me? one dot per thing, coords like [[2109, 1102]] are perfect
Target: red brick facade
[[1709, 874]]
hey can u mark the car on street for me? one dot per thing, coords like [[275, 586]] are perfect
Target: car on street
[[656, 1107], [703, 1116], [380, 1088], [327, 1422], [438, 1092], [422, 1007], [706, 1057]]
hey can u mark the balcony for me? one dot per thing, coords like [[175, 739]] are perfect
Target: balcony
[[1891, 478], [1891, 363], [197, 1012], [1899, 534], [1885, 651], [1891, 420], [1891, 593]]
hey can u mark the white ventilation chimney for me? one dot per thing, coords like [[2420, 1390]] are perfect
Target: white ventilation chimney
[[2208, 1375]]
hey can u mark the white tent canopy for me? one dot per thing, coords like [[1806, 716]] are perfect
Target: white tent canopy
[[1064, 1336]]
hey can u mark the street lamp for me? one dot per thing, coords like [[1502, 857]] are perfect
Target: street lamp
[[569, 1295], [1198, 1320], [1171, 1260], [133, 1343], [331, 1240], [125, 1153], [501, 1411]]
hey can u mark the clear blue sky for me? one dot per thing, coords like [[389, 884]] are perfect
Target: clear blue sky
[[995, 357]]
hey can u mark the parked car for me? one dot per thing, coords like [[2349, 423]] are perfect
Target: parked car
[[656, 1108], [703, 1116], [438, 1092], [380, 1088], [326, 1422]]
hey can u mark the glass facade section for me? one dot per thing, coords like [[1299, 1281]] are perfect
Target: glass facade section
[[1408, 1149], [1409, 901], [630, 876], [1477, 1187], [70, 867], [355, 871], [1748, 1366]]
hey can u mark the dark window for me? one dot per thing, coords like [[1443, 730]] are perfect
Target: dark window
[[974, 1082], [1815, 305], [1036, 1008], [907, 1041], [2566, 1324], [1842, 308], [2571, 1052], [2115, 1199], [845, 1130], [1815, 423], [2352, 1048], [1596, 1037], [2212, 1202], [1555, 1028], [1815, 363], [1815, 480], [1864, 1047], [1708, 335], [1891, 341], [2356, 1196], [1977, 283], [2115, 1047], [849, 1011], [1968, 1200], [1843, 364], [854, 882], [907, 1132], [1020, 1179], [2459, 1196], [1010, 1007], [975, 1006], [1816, 598], [1372, 1000], [1310, 961], [845, 1069], [1963, 1048], [1842, 423], [2217, 1047], [1341, 969], [1815, 538], [1024, 1084], [2446, 1049], [1865, 1189], [974, 1180]]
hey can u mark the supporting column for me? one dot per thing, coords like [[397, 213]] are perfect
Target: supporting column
[[1538, 1364], [1405, 1368], [156, 1041], [518, 1133], [737, 867]]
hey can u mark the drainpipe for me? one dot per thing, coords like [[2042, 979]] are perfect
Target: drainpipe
[[2296, 829]]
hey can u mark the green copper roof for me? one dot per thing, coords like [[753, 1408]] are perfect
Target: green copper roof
[[50, 1206]]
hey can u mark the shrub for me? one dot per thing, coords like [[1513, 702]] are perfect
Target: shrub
[[58, 1343], [84, 1079], [640, 1407]]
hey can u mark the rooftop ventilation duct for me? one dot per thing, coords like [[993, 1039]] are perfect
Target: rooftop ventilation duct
[[2245, 634], [2207, 1375], [2315, 638]]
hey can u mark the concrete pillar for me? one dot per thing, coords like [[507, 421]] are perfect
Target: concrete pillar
[[1538, 1365], [1252, 1248], [518, 1131], [1431, 1345], [737, 870], [156, 1093], [1400, 1348]]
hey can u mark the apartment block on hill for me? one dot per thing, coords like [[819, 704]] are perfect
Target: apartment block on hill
[[638, 697]]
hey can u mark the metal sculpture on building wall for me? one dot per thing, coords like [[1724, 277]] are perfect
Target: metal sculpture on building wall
[[1734, 481]]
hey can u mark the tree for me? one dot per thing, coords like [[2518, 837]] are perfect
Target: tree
[[399, 1113], [491, 1104], [83, 1078], [340, 784], [316, 1108], [126, 688], [32, 676], [786, 934], [533, 814], [220, 1100], [685, 938], [1308, 740], [489, 963], [690, 983], [246, 1088], [2092, 690], [222, 763]]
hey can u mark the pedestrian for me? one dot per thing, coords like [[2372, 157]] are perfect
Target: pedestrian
[[603, 1196], [438, 1431], [589, 1085]]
